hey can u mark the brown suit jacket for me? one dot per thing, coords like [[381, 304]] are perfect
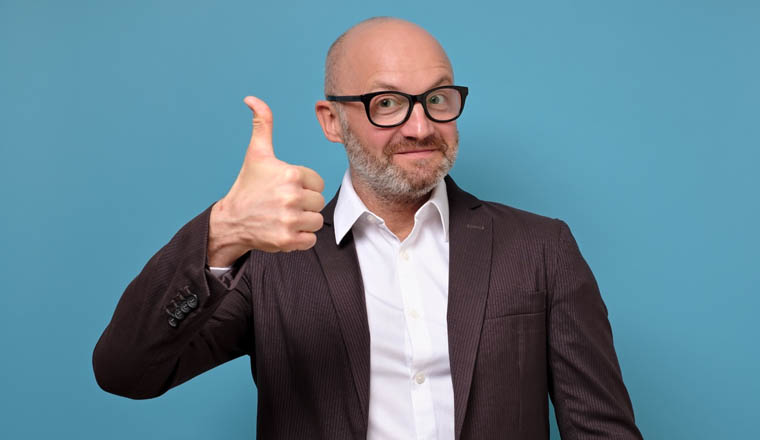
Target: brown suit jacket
[[525, 321]]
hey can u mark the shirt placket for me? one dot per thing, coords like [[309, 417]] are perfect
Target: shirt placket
[[419, 336]]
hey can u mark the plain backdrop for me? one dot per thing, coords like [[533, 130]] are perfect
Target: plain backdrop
[[636, 122]]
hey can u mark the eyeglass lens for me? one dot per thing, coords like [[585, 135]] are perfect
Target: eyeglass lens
[[391, 108]]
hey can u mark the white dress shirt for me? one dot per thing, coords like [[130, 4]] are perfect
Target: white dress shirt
[[406, 288]]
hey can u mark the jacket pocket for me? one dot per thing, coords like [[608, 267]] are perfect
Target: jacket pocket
[[515, 302]]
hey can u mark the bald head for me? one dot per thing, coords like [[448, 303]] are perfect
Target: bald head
[[379, 44]]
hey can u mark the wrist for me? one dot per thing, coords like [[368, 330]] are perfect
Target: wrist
[[223, 248]]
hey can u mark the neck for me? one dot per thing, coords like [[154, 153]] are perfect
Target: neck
[[398, 214]]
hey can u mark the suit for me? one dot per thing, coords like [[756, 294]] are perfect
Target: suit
[[525, 319]]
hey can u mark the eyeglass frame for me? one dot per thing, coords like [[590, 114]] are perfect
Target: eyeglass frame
[[413, 99]]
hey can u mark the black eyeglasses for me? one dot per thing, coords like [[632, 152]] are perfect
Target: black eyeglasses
[[391, 109]]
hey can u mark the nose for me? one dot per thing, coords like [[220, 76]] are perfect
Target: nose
[[418, 126]]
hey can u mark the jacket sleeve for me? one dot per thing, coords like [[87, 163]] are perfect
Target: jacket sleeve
[[585, 381], [175, 320]]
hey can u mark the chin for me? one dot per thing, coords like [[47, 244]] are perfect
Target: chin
[[423, 180]]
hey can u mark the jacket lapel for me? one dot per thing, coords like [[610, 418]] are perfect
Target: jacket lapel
[[341, 268], [470, 239]]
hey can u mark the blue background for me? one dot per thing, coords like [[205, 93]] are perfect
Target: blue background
[[635, 122]]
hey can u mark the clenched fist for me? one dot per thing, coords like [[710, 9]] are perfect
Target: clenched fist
[[272, 206]]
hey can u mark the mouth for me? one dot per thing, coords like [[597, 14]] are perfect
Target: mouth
[[417, 153]]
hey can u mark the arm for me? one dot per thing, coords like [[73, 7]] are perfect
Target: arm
[[176, 319], [141, 354], [585, 382]]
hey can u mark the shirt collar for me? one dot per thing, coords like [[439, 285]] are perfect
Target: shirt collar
[[349, 208]]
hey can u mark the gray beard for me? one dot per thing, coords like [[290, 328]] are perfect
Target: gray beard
[[388, 181]]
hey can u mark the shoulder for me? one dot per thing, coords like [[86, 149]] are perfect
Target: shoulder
[[514, 223], [507, 215], [507, 221]]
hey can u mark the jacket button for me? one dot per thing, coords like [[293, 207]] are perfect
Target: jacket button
[[173, 322], [184, 306], [192, 301], [178, 314]]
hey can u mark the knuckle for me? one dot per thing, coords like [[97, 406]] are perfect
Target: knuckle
[[260, 124], [290, 196], [291, 174], [284, 241], [262, 118], [289, 199], [289, 220]]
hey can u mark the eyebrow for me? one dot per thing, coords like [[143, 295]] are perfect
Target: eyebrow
[[380, 85]]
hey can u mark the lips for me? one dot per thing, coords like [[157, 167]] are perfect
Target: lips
[[426, 150], [415, 155]]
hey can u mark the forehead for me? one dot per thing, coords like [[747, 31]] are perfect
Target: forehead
[[392, 55]]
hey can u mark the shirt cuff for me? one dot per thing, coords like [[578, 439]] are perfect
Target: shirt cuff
[[219, 271]]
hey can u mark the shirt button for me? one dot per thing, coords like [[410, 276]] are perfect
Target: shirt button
[[420, 378], [405, 255], [414, 314]]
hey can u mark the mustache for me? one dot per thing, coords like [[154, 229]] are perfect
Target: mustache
[[432, 142]]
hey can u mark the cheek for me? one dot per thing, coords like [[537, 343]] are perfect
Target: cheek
[[378, 140], [373, 139], [449, 134]]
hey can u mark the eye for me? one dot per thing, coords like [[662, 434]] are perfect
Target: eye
[[387, 102], [437, 99]]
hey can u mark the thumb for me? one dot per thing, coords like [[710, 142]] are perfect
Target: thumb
[[261, 137]]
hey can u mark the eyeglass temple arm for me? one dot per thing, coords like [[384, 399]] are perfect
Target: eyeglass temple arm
[[348, 98]]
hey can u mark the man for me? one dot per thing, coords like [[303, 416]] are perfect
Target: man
[[407, 308]]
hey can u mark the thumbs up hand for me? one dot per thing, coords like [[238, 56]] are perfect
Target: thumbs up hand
[[272, 206]]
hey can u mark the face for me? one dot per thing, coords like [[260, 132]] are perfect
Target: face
[[401, 163], [403, 171]]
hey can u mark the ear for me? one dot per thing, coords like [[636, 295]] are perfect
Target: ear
[[328, 119]]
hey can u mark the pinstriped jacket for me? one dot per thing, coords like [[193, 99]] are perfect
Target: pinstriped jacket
[[525, 322]]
